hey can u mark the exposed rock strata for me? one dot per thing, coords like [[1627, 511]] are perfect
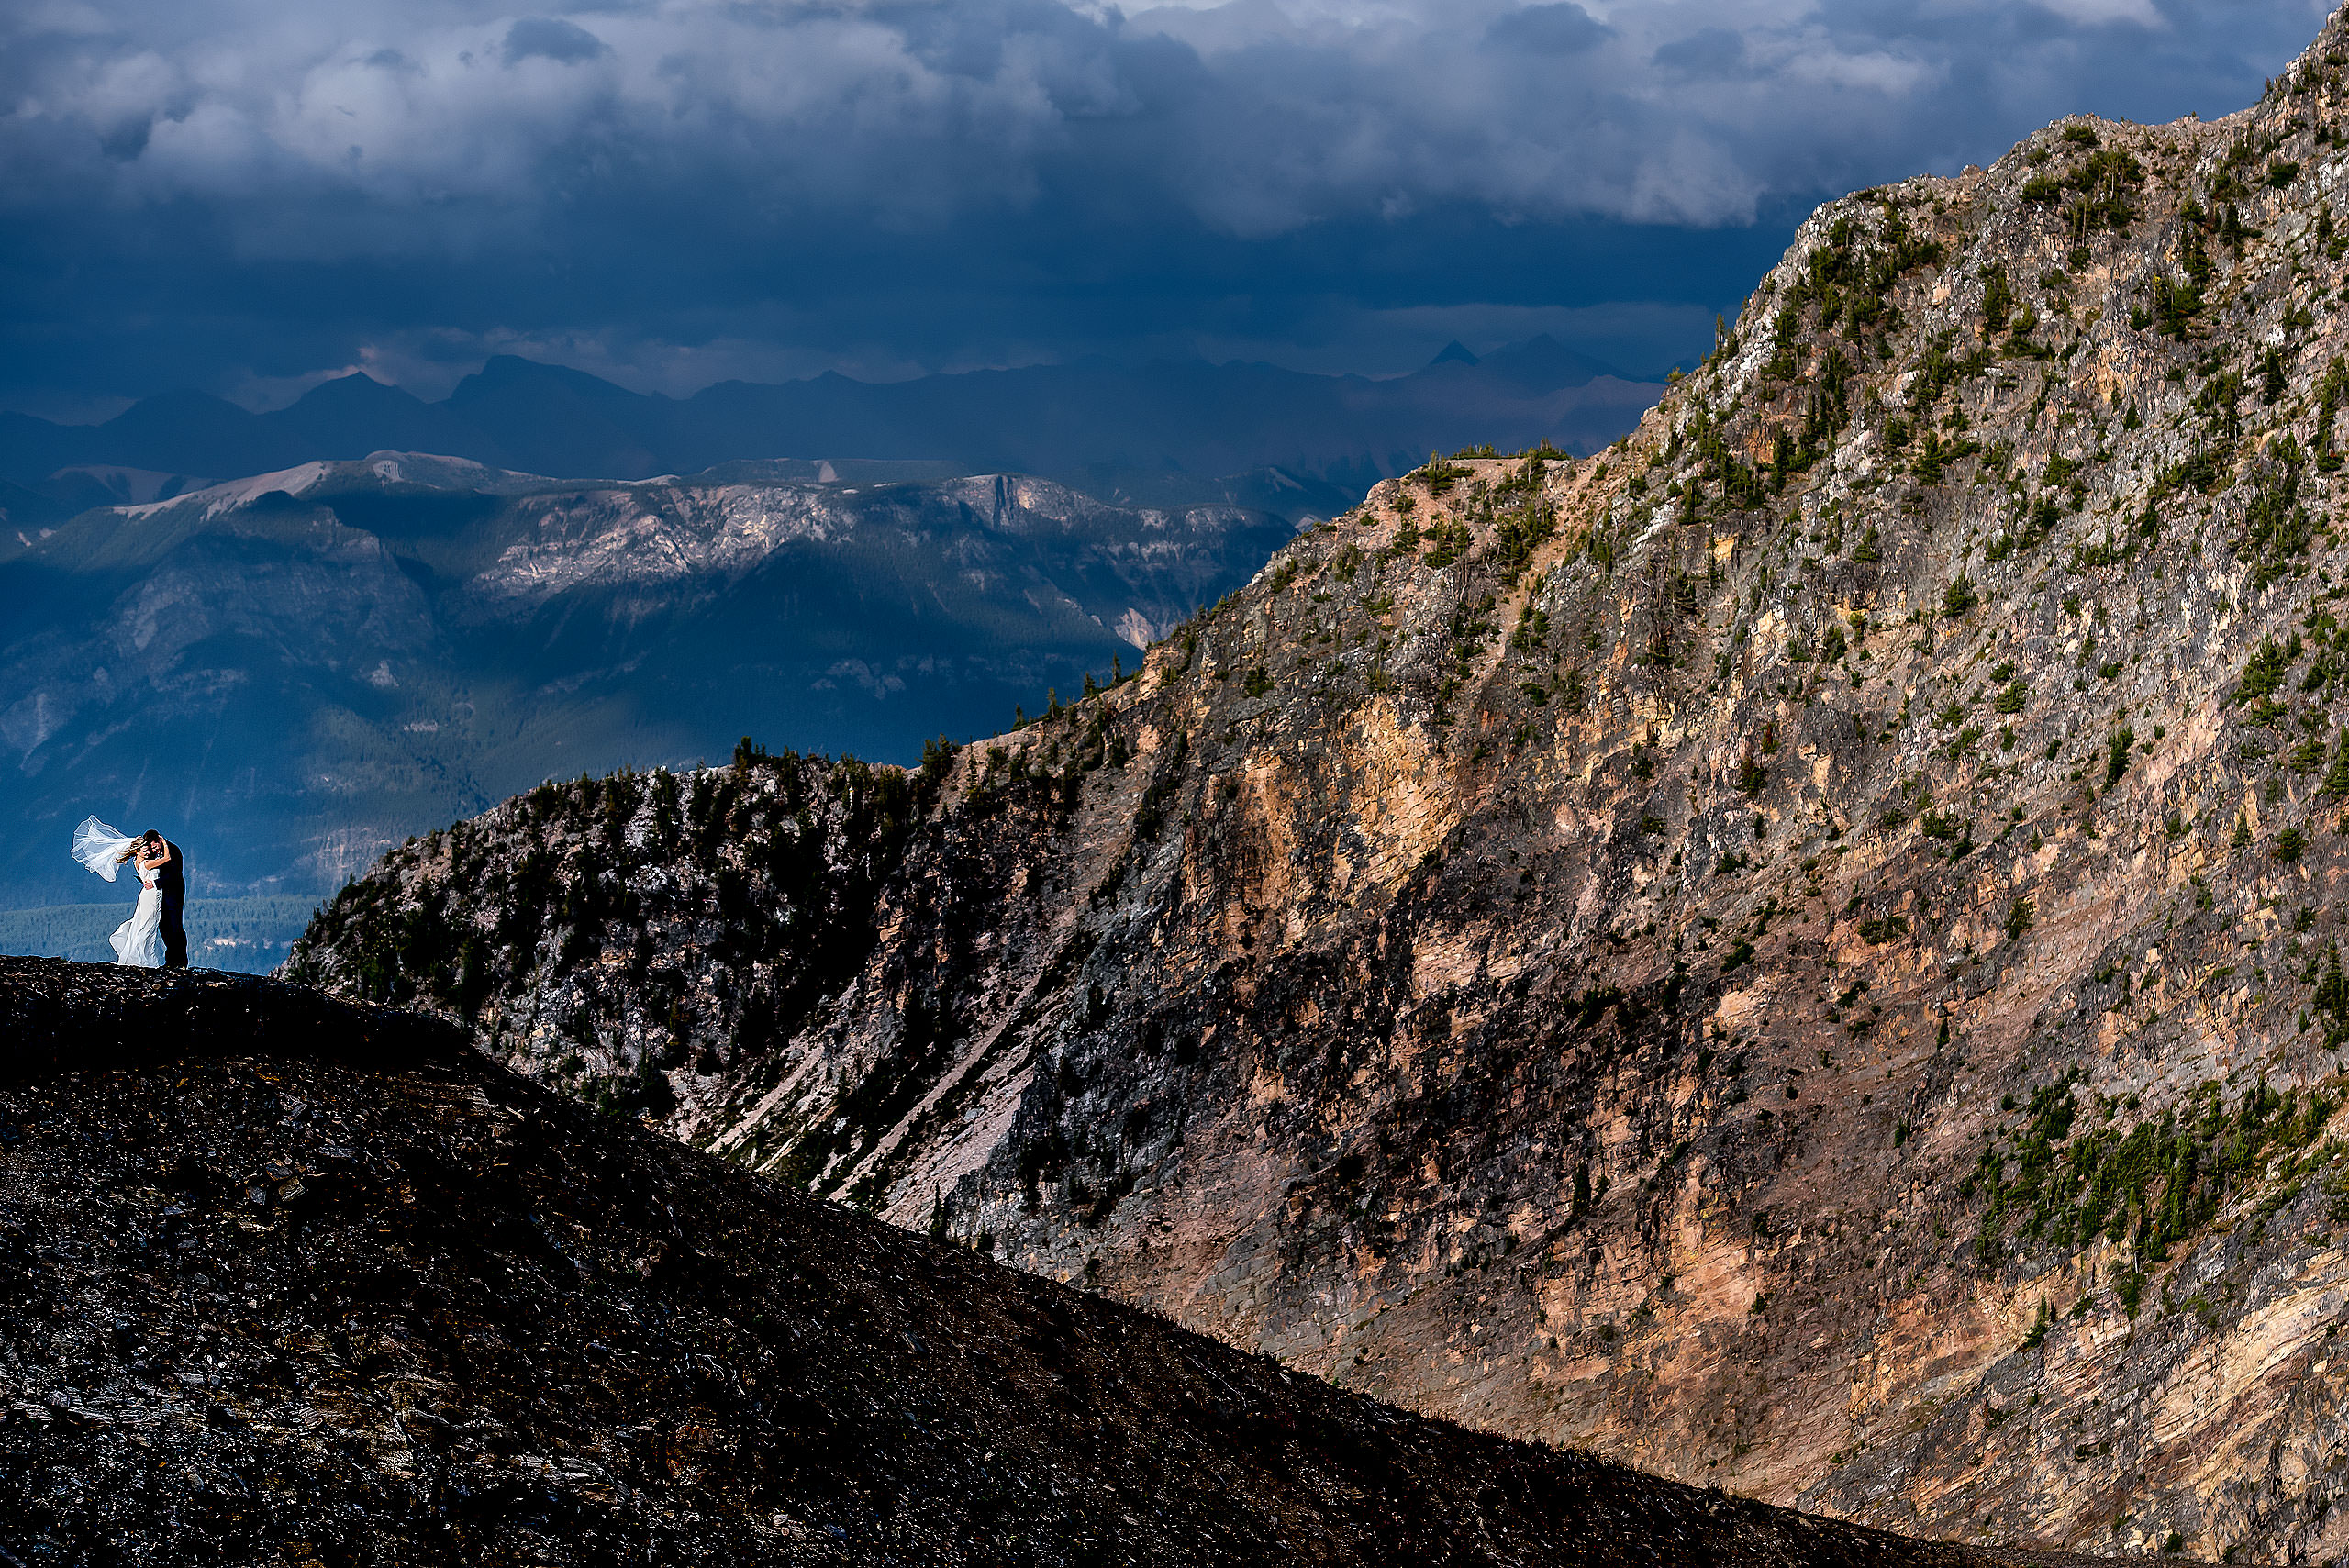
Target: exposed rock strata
[[1802, 953]]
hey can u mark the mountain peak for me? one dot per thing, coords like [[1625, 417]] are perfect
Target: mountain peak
[[1453, 353], [357, 393], [1855, 856], [504, 373], [1542, 361]]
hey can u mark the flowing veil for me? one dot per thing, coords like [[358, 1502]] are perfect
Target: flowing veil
[[99, 847]]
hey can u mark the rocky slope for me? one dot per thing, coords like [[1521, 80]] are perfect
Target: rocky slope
[[289, 1281], [1802, 953], [291, 672]]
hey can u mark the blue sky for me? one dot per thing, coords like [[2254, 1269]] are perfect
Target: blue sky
[[251, 196]]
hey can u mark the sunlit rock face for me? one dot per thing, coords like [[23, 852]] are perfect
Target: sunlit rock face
[[1801, 952]]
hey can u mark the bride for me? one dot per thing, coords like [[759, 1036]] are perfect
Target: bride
[[138, 941]]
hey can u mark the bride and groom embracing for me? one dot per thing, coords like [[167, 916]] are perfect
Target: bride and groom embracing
[[152, 938]]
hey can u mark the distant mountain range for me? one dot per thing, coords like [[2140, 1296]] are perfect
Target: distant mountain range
[[355, 641], [292, 670], [1094, 425]]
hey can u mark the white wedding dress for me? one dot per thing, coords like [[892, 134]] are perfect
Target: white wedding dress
[[138, 941]]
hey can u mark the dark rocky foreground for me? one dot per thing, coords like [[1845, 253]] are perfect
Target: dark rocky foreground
[[290, 1282]]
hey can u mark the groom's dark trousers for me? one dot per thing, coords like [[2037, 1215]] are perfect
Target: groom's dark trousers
[[171, 879]]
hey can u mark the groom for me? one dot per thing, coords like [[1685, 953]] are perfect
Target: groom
[[170, 880]]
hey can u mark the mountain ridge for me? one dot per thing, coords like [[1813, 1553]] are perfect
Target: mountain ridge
[[1801, 951], [1201, 418], [293, 1279]]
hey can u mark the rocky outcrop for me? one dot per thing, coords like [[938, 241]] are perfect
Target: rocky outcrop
[[291, 1281], [1801, 952]]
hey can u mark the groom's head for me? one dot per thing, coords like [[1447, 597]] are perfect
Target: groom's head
[[152, 839]]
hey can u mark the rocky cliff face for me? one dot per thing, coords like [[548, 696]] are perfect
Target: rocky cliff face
[[1802, 953], [289, 1281]]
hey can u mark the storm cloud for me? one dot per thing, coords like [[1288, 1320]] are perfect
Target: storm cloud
[[249, 195]]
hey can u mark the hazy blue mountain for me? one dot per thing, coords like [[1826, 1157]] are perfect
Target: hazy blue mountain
[[23, 510], [332, 416], [290, 672], [1191, 417], [295, 668]]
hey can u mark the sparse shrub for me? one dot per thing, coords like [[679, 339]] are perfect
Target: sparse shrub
[[2265, 673], [1997, 299], [2117, 759], [1440, 476], [2038, 1333]]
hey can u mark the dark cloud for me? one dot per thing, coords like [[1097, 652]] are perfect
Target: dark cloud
[[249, 194], [549, 37], [1716, 51], [1563, 29]]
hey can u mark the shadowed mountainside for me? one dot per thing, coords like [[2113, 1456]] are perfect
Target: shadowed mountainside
[[290, 1280]]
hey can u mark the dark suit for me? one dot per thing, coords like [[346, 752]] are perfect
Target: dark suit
[[171, 878]]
